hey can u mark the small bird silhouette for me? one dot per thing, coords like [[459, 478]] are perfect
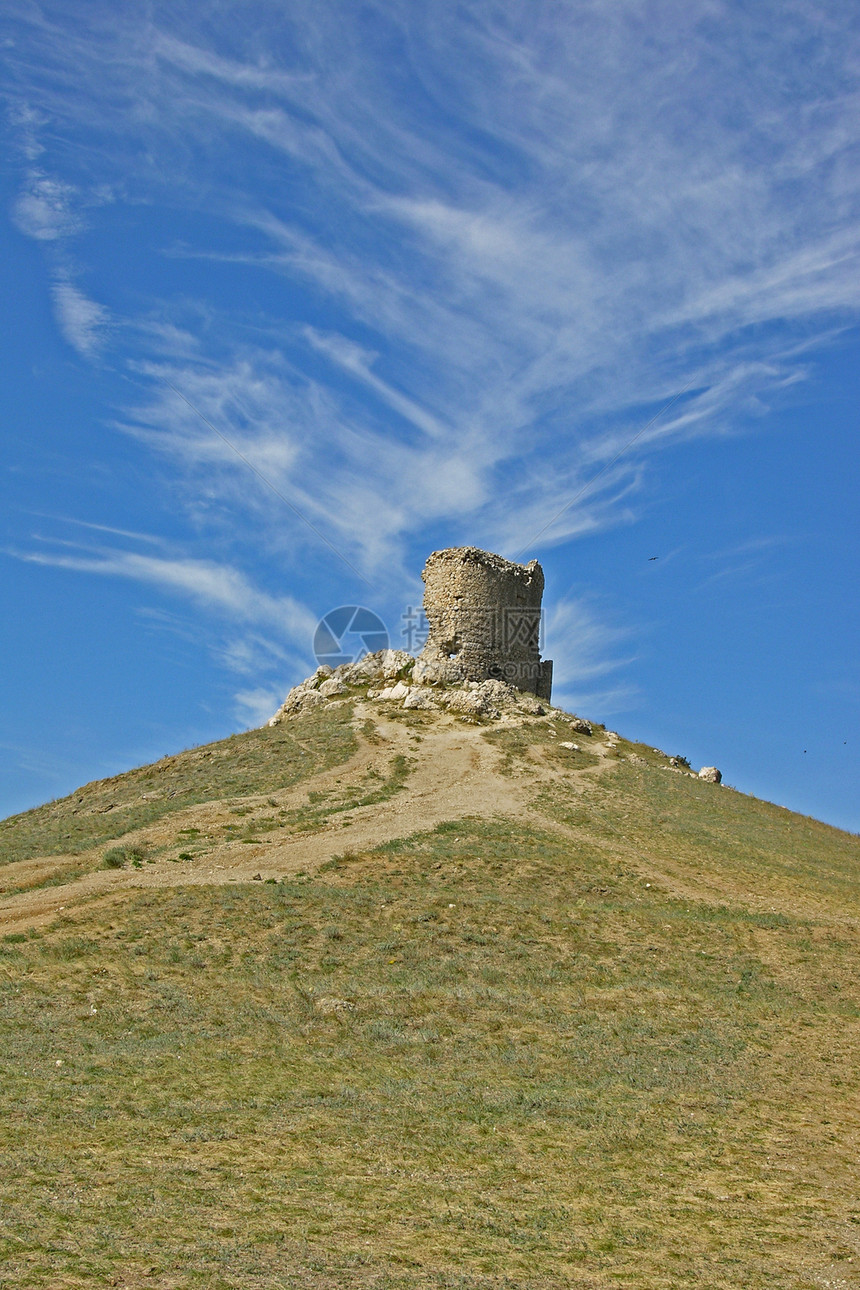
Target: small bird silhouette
[[653, 557]]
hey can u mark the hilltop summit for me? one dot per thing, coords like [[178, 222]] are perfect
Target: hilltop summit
[[481, 657]]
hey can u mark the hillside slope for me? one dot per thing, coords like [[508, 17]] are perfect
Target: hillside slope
[[380, 996]]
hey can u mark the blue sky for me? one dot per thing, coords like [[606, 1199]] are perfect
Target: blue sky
[[430, 268]]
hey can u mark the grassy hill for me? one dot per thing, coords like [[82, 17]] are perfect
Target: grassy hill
[[379, 998]]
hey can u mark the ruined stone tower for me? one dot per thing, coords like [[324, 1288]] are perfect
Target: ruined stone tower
[[484, 619]]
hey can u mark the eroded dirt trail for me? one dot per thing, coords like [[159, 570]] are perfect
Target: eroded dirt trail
[[454, 772]]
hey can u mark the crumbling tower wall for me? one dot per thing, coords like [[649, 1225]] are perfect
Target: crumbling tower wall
[[484, 617]]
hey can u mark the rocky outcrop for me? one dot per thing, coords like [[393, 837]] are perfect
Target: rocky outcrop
[[389, 676], [389, 665], [581, 726], [396, 678]]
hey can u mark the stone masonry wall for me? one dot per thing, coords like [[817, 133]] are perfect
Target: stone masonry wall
[[484, 620]]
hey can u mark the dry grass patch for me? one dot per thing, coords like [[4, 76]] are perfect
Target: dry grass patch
[[485, 1056], [258, 761]]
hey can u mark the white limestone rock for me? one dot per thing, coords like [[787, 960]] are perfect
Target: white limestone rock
[[468, 703], [395, 664], [418, 697], [498, 692], [437, 672], [392, 693], [580, 726], [300, 699]]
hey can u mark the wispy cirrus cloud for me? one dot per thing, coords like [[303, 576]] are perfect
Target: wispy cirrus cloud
[[587, 650], [255, 634], [82, 321], [46, 208], [255, 706], [214, 586], [495, 243]]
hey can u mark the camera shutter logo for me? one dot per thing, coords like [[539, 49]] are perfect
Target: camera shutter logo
[[347, 633]]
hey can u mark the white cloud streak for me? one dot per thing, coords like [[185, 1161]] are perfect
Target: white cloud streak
[[45, 208], [82, 321], [254, 707], [585, 651], [211, 585], [499, 238]]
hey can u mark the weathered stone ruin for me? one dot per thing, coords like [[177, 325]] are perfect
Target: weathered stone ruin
[[481, 660], [484, 616]]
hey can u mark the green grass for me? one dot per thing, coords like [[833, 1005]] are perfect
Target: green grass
[[485, 1056], [535, 742], [259, 761], [618, 1050], [373, 789], [119, 857], [251, 824], [56, 876], [757, 849]]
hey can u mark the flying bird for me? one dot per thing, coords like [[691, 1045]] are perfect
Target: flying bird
[[653, 557]]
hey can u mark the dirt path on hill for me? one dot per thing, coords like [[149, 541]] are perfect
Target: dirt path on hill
[[455, 772]]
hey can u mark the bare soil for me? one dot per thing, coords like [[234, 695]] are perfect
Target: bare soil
[[456, 772]]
